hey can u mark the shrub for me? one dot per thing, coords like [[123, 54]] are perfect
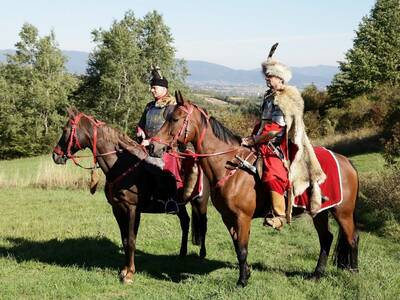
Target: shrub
[[314, 100], [391, 132], [380, 199]]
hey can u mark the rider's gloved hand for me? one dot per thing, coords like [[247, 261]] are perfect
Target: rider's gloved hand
[[145, 142], [248, 141]]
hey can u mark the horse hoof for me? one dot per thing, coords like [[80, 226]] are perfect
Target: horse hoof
[[202, 253], [241, 283], [316, 276], [126, 280], [353, 270], [122, 274]]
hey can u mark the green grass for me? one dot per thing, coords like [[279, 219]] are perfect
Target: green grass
[[65, 244], [370, 162]]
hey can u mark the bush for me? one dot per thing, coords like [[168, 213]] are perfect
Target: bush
[[314, 100], [391, 132], [380, 199]]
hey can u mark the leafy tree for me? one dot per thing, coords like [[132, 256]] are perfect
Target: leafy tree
[[314, 100], [391, 132], [35, 89], [375, 56], [116, 86]]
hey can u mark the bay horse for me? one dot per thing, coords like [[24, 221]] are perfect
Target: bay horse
[[239, 197], [130, 182]]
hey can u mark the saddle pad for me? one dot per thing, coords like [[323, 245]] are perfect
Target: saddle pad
[[179, 167], [331, 189]]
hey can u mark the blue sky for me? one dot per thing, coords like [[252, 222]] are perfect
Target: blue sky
[[237, 34]]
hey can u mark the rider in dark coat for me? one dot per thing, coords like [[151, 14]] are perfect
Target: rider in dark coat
[[153, 117]]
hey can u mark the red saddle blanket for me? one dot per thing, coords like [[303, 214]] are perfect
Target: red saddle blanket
[[331, 189], [179, 167]]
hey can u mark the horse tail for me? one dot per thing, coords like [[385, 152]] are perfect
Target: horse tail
[[345, 256]]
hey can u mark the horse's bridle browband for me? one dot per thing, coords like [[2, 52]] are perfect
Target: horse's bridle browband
[[73, 140]]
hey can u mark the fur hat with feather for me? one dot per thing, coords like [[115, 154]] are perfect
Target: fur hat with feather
[[272, 67]]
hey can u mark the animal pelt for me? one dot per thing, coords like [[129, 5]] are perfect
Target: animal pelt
[[304, 169], [167, 100]]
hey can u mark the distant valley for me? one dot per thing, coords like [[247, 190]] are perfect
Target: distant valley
[[208, 76]]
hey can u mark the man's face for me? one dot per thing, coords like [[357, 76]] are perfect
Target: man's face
[[274, 82], [158, 91]]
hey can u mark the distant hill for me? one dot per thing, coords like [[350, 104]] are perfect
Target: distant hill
[[214, 74], [204, 73]]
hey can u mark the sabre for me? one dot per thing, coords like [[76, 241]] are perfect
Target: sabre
[[244, 164], [273, 148]]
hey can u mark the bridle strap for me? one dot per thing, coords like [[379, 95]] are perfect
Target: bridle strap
[[74, 138]]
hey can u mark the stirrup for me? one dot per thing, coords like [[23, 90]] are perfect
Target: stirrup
[[171, 207], [275, 222]]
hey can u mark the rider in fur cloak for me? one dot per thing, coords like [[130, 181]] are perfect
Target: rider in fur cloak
[[282, 129]]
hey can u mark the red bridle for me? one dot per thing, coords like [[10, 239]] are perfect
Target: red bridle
[[73, 139], [184, 129]]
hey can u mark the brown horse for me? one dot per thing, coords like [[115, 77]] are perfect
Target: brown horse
[[131, 182], [239, 197]]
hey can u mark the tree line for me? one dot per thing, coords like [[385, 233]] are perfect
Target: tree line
[[36, 89]]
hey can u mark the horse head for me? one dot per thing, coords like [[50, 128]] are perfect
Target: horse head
[[76, 135], [182, 125]]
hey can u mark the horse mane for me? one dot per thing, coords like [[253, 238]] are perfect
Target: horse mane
[[221, 132], [114, 135]]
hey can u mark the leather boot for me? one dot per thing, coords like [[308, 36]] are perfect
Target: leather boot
[[278, 207]]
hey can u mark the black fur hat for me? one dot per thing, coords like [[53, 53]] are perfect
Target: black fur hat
[[157, 79]]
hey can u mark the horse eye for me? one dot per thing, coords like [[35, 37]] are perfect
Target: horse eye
[[175, 120]]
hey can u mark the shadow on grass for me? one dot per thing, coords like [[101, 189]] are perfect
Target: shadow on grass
[[92, 253], [264, 268], [356, 146]]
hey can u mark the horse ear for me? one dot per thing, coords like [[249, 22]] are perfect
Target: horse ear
[[179, 98], [71, 111]]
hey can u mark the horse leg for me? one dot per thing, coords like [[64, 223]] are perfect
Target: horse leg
[[346, 252], [203, 232], [137, 222], [240, 232], [321, 224], [199, 225], [123, 223], [131, 245], [185, 224], [203, 217]]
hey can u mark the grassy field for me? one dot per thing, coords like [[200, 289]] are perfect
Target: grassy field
[[64, 243]]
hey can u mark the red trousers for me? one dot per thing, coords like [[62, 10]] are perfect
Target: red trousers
[[275, 174]]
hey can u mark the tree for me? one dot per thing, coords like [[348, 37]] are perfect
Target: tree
[[116, 86], [35, 89], [391, 130], [314, 100], [375, 56]]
